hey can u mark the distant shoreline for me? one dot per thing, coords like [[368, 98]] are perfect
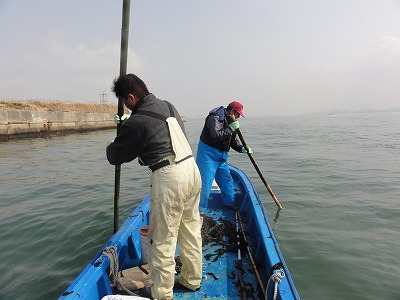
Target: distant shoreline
[[362, 111], [43, 105], [37, 117], [30, 118]]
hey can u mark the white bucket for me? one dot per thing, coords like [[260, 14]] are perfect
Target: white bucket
[[144, 243]]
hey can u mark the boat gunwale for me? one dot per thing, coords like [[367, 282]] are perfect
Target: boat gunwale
[[97, 268]]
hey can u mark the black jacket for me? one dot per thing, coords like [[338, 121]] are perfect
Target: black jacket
[[144, 136]]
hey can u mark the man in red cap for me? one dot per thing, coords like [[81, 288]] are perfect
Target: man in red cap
[[218, 136]]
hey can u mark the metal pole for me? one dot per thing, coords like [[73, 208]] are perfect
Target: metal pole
[[122, 68]]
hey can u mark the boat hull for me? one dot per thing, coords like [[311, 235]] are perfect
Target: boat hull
[[227, 274]]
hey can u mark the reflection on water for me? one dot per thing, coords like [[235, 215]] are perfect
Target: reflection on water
[[336, 177]]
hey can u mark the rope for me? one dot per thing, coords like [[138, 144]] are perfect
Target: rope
[[277, 278], [111, 253]]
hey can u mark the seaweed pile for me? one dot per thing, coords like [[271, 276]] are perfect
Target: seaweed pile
[[222, 234]]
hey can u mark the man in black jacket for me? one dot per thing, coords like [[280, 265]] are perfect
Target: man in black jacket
[[154, 133]]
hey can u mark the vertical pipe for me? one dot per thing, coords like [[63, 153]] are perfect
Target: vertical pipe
[[122, 71]]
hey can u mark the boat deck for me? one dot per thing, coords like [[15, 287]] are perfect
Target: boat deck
[[220, 261], [227, 272]]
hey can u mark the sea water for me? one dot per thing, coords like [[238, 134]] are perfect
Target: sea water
[[336, 176]]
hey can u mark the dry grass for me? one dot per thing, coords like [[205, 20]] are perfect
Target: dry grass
[[42, 105]]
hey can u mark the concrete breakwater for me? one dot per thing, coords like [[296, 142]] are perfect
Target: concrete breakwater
[[18, 123]]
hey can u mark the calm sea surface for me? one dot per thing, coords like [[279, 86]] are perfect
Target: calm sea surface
[[337, 177]]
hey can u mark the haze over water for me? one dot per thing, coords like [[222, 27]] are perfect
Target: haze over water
[[337, 178]]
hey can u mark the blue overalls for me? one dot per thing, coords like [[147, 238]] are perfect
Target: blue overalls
[[213, 163]]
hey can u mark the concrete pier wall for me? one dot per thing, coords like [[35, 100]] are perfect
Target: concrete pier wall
[[15, 123]]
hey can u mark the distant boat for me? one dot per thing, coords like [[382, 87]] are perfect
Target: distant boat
[[241, 257]]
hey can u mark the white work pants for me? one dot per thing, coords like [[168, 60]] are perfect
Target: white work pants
[[174, 216]]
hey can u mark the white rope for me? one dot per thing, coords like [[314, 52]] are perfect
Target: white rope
[[277, 278], [111, 253]]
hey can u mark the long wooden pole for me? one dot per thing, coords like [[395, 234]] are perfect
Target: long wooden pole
[[250, 252], [258, 169], [122, 67], [240, 265]]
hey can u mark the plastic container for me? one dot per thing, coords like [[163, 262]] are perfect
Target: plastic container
[[144, 243]]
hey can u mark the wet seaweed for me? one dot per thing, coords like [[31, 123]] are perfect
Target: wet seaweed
[[222, 234]]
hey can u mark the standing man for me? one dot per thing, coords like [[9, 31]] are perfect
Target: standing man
[[218, 136], [154, 133]]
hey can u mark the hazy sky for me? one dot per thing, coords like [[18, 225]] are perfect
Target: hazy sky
[[276, 57]]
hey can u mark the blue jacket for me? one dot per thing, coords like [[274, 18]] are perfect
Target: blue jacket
[[217, 133]]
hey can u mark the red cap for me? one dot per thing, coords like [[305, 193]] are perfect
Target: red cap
[[237, 106]]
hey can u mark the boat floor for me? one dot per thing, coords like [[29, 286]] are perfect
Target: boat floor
[[220, 261]]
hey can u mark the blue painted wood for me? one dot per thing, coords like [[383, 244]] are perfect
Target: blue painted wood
[[220, 277]]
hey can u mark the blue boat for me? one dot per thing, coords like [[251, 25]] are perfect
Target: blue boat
[[241, 257]]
